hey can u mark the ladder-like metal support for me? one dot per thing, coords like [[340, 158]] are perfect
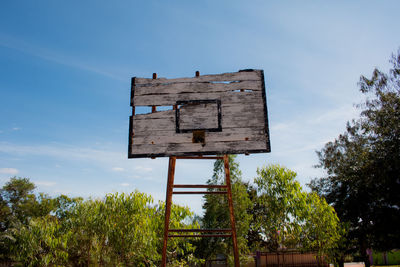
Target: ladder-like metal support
[[209, 232]]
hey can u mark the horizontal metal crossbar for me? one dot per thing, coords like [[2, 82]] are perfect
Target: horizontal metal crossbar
[[202, 235], [199, 192], [201, 230], [198, 186], [189, 157]]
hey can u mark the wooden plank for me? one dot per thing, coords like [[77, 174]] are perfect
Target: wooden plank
[[187, 148], [196, 87], [225, 132], [233, 76], [187, 138], [154, 125], [197, 123], [193, 109], [255, 108], [171, 99], [232, 121], [228, 121], [226, 109], [228, 134], [241, 111]]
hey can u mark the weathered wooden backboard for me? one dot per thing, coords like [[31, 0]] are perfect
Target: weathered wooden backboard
[[204, 115]]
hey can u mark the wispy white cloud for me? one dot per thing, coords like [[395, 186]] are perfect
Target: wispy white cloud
[[61, 151], [144, 177], [11, 171], [338, 114], [16, 129], [54, 56], [45, 183], [101, 157], [124, 184], [143, 168]]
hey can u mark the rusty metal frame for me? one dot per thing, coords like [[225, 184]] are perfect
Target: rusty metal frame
[[213, 232]]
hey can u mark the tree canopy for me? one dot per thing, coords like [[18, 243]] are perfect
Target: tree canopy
[[363, 166], [127, 229], [289, 217], [118, 230], [216, 215]]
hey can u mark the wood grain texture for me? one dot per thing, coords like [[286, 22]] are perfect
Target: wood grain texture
[[200, 116], [225, 77], [187, 148], [195, 87], [241, 112], [249, 134], [169, 124], [171, 99]]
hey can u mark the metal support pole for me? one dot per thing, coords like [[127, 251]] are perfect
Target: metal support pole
[[231, 213], [168, 203]]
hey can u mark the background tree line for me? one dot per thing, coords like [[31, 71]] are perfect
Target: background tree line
[[118, 230], [127, 229]]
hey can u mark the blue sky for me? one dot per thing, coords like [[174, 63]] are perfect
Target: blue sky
[[66, 67]]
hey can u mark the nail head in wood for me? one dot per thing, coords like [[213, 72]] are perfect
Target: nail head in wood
[[197, 73]]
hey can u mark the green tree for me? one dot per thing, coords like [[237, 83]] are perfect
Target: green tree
[[255, 240], [125, 230], [363, 166], [18, 195], [216, 214], [40, 243], [131, 233], [282, 200], [180, 252], [119, 230], [17, 206], [321, 230], [289, 217]]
